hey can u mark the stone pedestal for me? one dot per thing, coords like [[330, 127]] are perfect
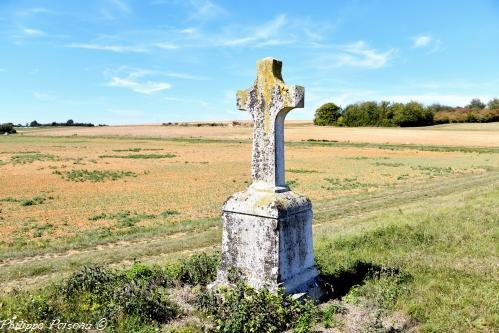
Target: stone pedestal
[[267, 236]]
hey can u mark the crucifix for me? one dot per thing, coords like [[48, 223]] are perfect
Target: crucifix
[[268, 101], [267, 229]]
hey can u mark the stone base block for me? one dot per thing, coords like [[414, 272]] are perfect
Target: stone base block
[[267, 237]]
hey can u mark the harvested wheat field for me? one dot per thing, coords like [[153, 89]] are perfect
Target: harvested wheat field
[[448, 135]]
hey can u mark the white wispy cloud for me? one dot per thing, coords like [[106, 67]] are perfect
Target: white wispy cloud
[[188, 31], [264, 33], [32, 32], [34, 11], [166, 46], [357, 54], [43, 96], [114, 9], [421, 40], [186, 76], [205, 10], [146, 88], [426, 42], [115, 45], [121, 5], [197, 10], [110, 47], [131, 79]]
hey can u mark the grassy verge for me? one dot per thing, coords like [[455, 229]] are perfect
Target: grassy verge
[[450, 255]]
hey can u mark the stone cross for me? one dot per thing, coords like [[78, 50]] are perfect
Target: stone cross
[[268, 101], [267, 228]]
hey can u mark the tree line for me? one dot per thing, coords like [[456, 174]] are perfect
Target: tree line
[[70, 122], [9, 128], [389, 114]]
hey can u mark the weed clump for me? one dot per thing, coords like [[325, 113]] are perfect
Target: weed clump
[[244, 309], [129, 219], [337, 184], [30, 157], [199, 269], [38, 200], [84, 175], [140, 156], [433, 171], [130, 300]]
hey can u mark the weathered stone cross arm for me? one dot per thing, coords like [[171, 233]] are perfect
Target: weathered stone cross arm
[[268, 101]]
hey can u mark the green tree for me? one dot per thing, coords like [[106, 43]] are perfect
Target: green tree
[[327, 114], [70, 122], [440, 107], [493, 104], [34, 123], [476, 103], [7, 128], [413, 114], [369, 114]]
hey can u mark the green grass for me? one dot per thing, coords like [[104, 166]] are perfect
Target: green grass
[[36, 200], [389, 146], [446, 255], [301, 171], [40, 229], [168, 213], [129, 219], [433, 171], [30, 157], [9, 199], [124, 219], [342, 184], [136, 150], [388, 164], [140, 156], [84, 175]]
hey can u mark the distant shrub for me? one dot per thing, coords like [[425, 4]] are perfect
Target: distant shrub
[[327, 114], [7, 128], [461, 115]]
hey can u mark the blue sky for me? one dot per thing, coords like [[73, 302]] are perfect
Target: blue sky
[[150, 61]]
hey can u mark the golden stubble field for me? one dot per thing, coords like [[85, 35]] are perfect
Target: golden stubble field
[[52, 200], [484, 135], [195, 181]]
